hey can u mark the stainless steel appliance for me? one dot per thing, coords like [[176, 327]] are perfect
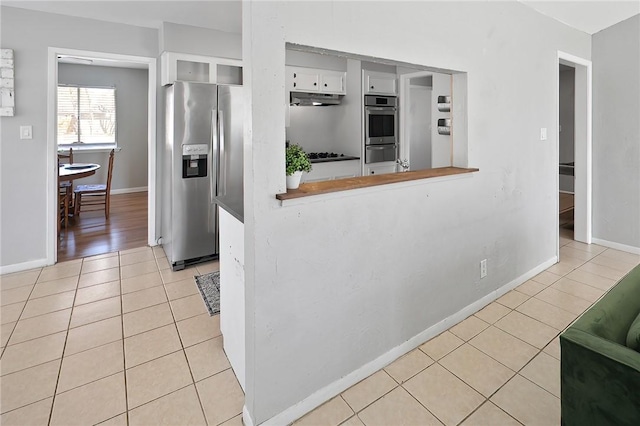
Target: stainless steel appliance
[[202, 161], [381, 128]]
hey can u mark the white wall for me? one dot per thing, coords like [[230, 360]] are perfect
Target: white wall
[[334, 282], [420, 127], [199, 41], [616, 133], [23, 189], [130, 166], [314, 128]]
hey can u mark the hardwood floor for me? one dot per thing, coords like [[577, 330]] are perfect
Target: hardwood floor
[[566, 215], [90, 234], [566, 202]]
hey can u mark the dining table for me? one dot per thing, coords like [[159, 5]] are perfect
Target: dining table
[[73, 171]]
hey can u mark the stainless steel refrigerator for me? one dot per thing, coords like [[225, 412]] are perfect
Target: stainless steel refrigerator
[[202, 161]]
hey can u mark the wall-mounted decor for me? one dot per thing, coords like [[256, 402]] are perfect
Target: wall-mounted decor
[[444, 103], [7, 94]]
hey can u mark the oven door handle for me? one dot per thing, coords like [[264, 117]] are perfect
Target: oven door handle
[[379, 147], [388, 110]]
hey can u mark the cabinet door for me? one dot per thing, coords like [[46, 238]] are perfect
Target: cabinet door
[[305, 81], [319, 172], [332, 83], [186, 67], [347, 169], [381, 85], [380, 170]]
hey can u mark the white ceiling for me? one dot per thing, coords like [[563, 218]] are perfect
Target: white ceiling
[[587, 16], [215, 14]]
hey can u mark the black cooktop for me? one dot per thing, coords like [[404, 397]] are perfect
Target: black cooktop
[[321, 157]]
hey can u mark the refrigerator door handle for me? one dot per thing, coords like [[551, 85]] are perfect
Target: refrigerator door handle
[[214, 155], [222, 164]]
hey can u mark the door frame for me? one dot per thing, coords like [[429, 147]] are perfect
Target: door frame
[[583, 146], [51, 188], [404, 140]]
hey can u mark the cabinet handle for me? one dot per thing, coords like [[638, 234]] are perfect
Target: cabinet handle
[[373, 172], [294, 84], [315, 84], [325, 85], [372, 87], [294, 75]]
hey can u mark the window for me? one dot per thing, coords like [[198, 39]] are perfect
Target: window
[[86, 115]]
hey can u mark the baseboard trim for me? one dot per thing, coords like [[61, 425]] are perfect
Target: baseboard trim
[[617, 246], [321, 396], [24, 266], [246, 417], [129, 190]]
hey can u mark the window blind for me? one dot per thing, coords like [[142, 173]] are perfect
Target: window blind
[[86, 115]]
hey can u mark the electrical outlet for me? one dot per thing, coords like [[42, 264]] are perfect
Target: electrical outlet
[[483, 268]]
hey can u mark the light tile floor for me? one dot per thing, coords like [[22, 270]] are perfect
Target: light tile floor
[[121, 339], [113, 339]]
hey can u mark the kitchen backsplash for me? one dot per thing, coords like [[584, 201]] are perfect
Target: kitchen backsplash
[[317, 129]]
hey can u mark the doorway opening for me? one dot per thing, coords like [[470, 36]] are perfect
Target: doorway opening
[[573, 136], [421, 145], [132, 215]]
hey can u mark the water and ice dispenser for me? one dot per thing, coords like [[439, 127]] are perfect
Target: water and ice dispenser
[[194, 160]]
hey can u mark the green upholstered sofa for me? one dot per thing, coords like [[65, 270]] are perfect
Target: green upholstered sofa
[[600, 375]]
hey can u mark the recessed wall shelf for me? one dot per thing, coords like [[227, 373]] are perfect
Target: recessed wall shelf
[[444, 126], [444, 103]]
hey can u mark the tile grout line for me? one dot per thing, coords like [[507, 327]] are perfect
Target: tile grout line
[[372, 402], [21, 312], [64, 347], [184, 352], [124, 353], [516, 373]]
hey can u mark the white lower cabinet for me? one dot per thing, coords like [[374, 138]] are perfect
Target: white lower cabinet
[[380, 169], [332, 170], [232, 292]]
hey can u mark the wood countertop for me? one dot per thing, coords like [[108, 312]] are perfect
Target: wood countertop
[[325, 187]]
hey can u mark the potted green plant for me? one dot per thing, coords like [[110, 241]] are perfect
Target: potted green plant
[[296, 163]]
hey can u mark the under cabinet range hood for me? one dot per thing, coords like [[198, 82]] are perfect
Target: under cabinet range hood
[[314, 99]]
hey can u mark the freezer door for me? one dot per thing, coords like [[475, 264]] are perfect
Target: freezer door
[[231, 148], [193, 216]]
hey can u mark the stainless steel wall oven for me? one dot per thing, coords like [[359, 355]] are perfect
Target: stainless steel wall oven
[[381, 128]]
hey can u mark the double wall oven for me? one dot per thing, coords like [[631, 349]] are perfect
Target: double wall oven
[[381, 128]]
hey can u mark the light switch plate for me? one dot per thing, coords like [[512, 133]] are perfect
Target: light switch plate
[[26, 132], [543, 134]]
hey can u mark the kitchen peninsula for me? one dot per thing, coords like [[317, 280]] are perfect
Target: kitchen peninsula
[[326, 187]]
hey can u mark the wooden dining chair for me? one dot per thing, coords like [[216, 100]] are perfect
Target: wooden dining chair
[[68, 158], [66, 186], [65, 194], [90, 196], [64, 200]]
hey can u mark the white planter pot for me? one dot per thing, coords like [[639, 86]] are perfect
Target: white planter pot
[[293, 181]]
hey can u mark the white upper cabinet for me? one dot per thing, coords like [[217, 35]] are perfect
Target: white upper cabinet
[[203, 69], [315, 80], [377, 83], [333, 83]]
